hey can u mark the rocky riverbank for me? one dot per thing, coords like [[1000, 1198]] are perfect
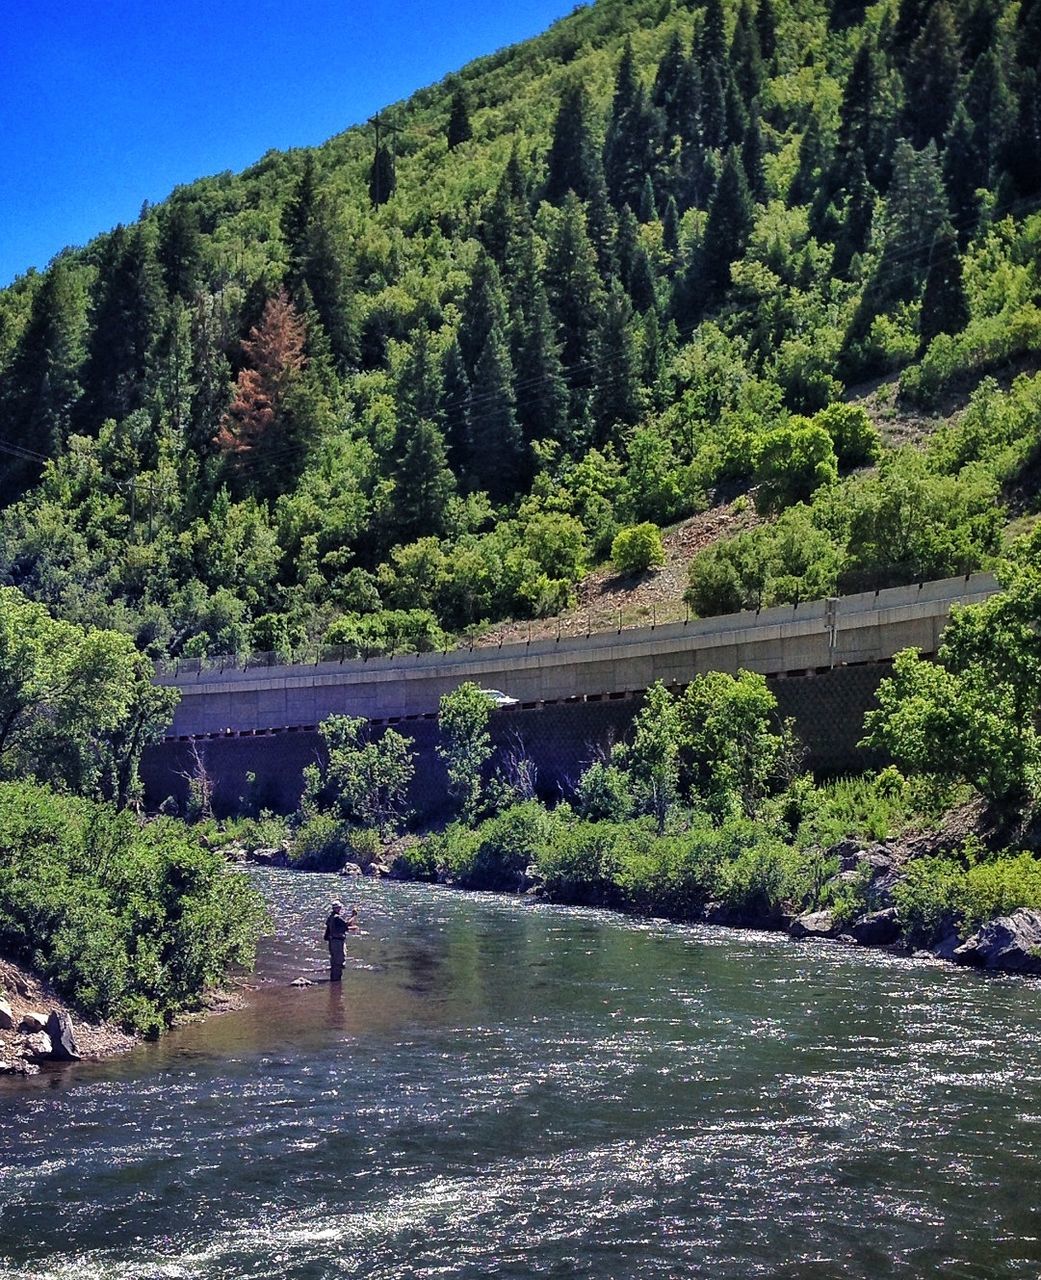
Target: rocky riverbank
[[37, 1026]]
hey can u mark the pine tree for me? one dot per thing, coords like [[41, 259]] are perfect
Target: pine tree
[[648, 207], [642, 284], [459, 129], [616, 392], [711, 45], [670, 235], [766, 29], [944, 306], [666, 94], [626, 240], [419, 385], [574, 162], [746, 59], [499, 455], [255, 434], [728, 227], [542, 396], [752, 151], [41, 385], [423, 484], [713, 107], [1023, 153], [844, 14], [632, 141], [931, 79], [383, 178], [127, 302], [993, 111], [855, 235], [507, 218], [455, 409], [483, 309], [180, 249], [963, 173], [210, 376], [575, 295]]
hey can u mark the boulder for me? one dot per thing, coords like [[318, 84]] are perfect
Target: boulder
[[847, 851], [267, 857], [32, 1022], [877, 929], [301, 982], [814, 924], [351, 869], [1011, 944], [37, 1045], [6, 1016], [947, 946], [63, 1040]]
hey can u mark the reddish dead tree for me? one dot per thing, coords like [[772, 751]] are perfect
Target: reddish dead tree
[[274, 353]]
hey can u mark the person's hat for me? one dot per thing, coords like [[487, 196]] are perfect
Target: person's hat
[[337, 906]]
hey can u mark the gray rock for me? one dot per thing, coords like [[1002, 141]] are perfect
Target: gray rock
[[6, 1016], [32, 1021], [877, 929], [946, 947], [301, 982], [266, 857], [37, 1045], [1010, 943], [847, 851], [63, 1039], [351, 869], [814, 924]]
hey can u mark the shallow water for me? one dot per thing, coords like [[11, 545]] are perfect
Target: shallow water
[[512, 1090]]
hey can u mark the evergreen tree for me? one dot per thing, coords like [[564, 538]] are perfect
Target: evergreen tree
[[542, 395], [993, 111], [915, 209], [862, 130], [713, 107], [616, 399], [574, 162], [813, 157], [626, 241], [670, 235], [642, 285], [507, 218], [667, 92], [631, 144], [963, 174], [41, 385], [455, 408], [746, 59], [483, 309], [210, 377], [1023, 153], [766, 29], [180, 249], [423, 484], [459, 129], [127, 301], [944, 306], [383, 178], [648, 207], [575, 295], [931, 79], [728, 227], [711, 44], [844, 14], [855, 235], [499, 456], [752, 150], [420, 391]]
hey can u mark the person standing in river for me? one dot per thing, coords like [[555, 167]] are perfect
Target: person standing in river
[[336, 930]]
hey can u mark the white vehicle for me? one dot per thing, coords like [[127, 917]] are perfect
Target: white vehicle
[[500, 699]]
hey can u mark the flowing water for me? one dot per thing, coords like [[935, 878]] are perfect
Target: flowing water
[[507, 1089]]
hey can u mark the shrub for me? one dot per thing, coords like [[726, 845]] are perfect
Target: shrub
[[389, 632], [638, 548], [130, 921], [793, 461], [855, 440], [321, 843]]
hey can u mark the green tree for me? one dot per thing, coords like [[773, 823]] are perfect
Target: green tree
[[729, 225], [944, 305], [793, 461], [499, 455], [616, 392], [365, 780], [731, 742], [383, 177], [932, 77], [180, 249], [466, 745], [654, 763], [637, 548], [459, 129]]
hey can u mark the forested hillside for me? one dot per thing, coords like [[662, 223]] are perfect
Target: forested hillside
[[642, 264]]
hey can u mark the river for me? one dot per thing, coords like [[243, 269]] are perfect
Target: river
[[508, 1089]]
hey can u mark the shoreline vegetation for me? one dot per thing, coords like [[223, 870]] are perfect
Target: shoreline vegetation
[[703, 812]]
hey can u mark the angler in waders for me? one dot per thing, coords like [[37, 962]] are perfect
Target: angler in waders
[[336, 929]]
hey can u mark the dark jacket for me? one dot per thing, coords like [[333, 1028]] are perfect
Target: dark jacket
[[335, 928]]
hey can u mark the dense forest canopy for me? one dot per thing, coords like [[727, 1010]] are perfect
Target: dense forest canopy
[[370, 395]]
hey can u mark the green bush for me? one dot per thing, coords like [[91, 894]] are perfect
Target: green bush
[[638, 548], [321, 843], [128, 920], [390, 632]]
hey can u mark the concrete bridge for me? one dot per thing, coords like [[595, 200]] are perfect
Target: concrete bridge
[[824, 659]]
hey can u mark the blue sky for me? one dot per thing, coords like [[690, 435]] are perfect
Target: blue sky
[[106, 103]]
